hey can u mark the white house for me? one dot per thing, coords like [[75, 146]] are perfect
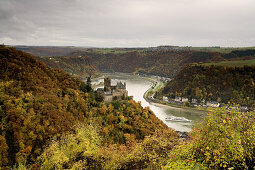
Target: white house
[[194, 101], [184, 99], [212, 104], [165, 99]]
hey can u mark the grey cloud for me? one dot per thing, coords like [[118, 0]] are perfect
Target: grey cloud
[[107, 23]]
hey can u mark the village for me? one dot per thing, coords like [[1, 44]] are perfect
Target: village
[[194, 102], [183, 101]]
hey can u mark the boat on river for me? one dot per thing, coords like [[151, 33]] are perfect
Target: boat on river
[[177, 119]]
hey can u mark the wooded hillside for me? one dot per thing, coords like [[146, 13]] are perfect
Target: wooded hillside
[[217, 83], [155, 61], [79, 66], [159, 62], [38, 104]]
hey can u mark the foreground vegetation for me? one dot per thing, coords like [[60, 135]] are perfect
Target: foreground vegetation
[[224, 140]]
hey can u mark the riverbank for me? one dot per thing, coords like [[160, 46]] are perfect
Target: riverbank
[[157, 85], [137, 86], [148, 95]]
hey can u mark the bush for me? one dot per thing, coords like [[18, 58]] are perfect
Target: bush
[[223, 140], [72, 150]]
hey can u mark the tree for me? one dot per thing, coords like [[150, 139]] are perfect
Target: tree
[[88, 85]]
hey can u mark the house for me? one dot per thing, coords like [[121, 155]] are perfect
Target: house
[[168, 79], [110, 92], [184, 99], [212, 104], [165, 99], [178, 99], [194, 101], [244, 109]]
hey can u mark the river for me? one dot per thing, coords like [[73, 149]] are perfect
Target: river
[[137, 86]]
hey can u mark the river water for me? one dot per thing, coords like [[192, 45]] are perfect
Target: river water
[[137, 86]]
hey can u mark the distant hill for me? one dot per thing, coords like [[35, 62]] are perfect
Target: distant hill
[[217, 83], [79, 66], [157, 62], [48, 51], [163, 60]]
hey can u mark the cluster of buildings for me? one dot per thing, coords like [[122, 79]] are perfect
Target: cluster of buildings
[[110, 93], [194, 102]]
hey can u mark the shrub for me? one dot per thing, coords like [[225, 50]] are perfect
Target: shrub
[[223, 140], [72, 150]]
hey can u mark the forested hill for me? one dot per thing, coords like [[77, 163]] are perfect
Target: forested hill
[[163, 63], [159, 62], [39, 104], [55, 57], [217, 83], [48, 51], [79, 66]]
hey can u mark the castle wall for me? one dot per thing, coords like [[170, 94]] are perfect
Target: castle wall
[[123, 91], [108, 98]]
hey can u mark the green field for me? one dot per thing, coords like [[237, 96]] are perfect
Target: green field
[[115, 50], [238, 63], [202, 49], [221, 49]]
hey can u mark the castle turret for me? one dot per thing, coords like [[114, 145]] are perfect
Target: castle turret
[[107, 84]]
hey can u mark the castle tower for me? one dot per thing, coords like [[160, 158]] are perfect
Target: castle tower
[[107, 84]]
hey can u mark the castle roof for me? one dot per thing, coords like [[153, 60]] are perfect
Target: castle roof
[[120, 85]]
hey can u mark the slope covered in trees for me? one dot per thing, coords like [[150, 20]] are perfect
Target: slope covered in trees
[[80, 66], [38, 104], [163, 63], [163, 60], [48, 51], [158, 62], [218, 83]]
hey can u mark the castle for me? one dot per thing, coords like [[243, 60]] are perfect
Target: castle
[[110, 92]]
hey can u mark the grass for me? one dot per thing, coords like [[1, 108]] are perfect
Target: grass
[[115, 50], [221, 49], [238, 63]]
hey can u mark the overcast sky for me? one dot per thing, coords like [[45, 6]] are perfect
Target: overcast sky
[[128, 23]]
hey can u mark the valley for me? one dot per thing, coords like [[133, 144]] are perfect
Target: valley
[[137, 87], [48, 114]]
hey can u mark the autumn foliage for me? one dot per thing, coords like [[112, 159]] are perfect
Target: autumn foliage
[[217, 83], [38, 104], [224, 140]]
